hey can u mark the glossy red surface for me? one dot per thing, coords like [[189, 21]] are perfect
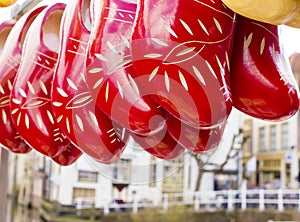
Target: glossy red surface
[[79, 118], [110, 74], [262, 82], [182, 50], [193, 139], [30, 96], [5, 29], [68, 156], [10, 60], [160, 145]]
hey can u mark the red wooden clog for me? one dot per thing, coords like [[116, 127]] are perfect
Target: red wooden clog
[[110, 74], [160, 145], [10, 60], [183, 50], [262, 82], [5, 28], [30, 96], [195, 139], [78, 116]]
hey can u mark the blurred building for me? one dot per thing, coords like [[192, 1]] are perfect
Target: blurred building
[[137, 175]]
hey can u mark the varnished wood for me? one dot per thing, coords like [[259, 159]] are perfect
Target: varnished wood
[[269, 11]]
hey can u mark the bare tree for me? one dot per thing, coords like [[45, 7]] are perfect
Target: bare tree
[[205, 165]]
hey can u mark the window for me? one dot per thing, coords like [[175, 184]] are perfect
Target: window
[[262, 139], [247, 146], [86, 176], [273, 138], [173, 176], [284, 136], [271, 163], [83, 193], [122, 171]]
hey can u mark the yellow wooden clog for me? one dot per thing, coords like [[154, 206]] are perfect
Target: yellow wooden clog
[[5, 3], [270, 11], [295, 22]]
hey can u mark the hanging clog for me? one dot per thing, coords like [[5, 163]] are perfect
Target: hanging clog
[[5, 3], [78, 116], [195, 139], [110, 74], [262, 81], [30, 96], [10, 60], [181, 53], [268, 11]]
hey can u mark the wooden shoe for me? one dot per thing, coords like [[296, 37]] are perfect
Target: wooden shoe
[[110, 72], [182, 52], [30, 96], [262, 81], [10, 60], [74, 108]]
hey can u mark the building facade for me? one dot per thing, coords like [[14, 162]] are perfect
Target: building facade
[[276, 149]]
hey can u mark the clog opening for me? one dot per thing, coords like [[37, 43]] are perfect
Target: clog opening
[[3, 36], [86, 15], [52, 29], [25, 29]]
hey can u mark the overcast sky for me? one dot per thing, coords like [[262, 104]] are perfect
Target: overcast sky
[[290, 39]]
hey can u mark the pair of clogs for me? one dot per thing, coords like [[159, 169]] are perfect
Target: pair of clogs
[[28, 61]]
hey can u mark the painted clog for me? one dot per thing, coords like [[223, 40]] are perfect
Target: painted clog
[[30, 96], [110, 74], [78, 116], [268, 11], [183, 58], [10, 61], [262, 81]]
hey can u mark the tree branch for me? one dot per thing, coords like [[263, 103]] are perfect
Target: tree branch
[[219, 167]]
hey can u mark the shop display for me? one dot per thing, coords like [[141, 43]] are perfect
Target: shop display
[[85, 76]]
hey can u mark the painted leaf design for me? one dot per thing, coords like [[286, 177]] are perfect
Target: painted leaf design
[[4, 101], [95, 70], [35, 102], [183, 52], [101, 57], [119, 64], [80, 100]]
